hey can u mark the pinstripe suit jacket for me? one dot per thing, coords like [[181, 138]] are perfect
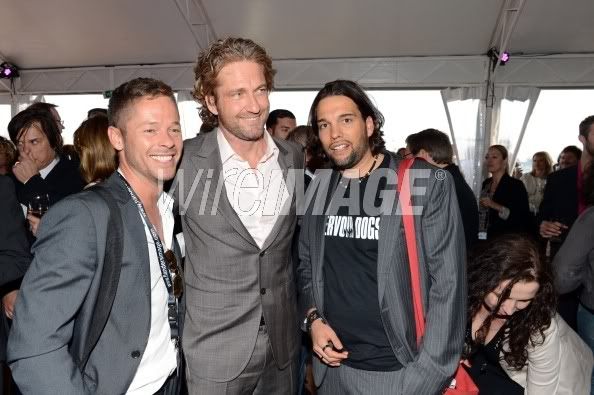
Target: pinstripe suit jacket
[[230, 281], [442, 255]]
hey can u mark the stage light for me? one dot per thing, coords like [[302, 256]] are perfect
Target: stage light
[[8, 71], [504, 58]]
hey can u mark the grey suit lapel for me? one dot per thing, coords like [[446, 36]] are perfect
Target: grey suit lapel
[[208, 157], [134, 228], [389, 239]]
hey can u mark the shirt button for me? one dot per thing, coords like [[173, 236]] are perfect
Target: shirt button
[[263, 253], [135, 354], [262, 291]]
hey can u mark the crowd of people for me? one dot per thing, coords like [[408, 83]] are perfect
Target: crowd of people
[[262, 257]]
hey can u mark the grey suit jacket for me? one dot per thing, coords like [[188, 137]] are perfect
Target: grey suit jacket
[[230, 281], [574, 263], [59, 292], [440, 241]]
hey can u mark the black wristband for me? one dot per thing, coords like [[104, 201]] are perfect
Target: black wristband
[[311, 317]]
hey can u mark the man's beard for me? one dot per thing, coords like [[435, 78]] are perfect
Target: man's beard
[[353, 159]]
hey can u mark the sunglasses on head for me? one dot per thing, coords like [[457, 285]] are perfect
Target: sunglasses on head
[[178, 283]]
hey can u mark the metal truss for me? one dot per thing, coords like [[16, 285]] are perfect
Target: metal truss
[[388, 73]]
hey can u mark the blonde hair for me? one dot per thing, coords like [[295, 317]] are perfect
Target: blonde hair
[[97, 155], [214, 58], [548, 162]]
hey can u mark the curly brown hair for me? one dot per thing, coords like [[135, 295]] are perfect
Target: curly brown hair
[[210, 62], [517, 258]]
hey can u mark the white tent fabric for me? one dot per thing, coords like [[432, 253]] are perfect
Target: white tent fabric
[[470, 144]]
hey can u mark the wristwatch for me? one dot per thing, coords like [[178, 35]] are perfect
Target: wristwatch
[[311, 317]]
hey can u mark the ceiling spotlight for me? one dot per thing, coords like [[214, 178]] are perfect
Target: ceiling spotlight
[[8, 71], [503, 58]]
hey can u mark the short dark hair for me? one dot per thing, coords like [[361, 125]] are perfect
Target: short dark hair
[[435, 142], [41, 106], [275, 115], [23, 121], [96, 111], [574, 150], [123, 96], [585, 125], [353, 91]]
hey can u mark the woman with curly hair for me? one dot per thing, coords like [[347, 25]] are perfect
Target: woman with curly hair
[[515, 342]]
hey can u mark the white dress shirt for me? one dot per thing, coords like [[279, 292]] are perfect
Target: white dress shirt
[[160, 356], [257, 195]]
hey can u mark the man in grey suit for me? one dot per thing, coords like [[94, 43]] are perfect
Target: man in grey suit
[[238, 217], [136, 351], [354, 277]]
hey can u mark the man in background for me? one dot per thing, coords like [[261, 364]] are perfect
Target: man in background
[[280, 123], [434, 146]]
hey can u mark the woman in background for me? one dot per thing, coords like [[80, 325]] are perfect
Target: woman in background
[[504, 201], [535, 181], [97, 155], [515, 342]]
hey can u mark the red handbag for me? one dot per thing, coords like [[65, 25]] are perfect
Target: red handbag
[[462, 383]]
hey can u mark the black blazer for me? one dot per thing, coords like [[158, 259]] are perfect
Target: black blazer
[[467, 203], [512, 194], [63, 180], [14, 249], [560, 200]]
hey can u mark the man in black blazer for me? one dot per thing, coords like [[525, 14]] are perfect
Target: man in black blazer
[[434, 146], [41, 170], [14, 256], [562, 203]]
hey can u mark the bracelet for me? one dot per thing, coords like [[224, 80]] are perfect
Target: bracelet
[[311, 317]]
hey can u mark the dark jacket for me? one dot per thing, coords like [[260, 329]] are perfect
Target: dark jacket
[[467, 203], [560, 199], [574, 263], [63, 180], [512, 194], [14, 249]]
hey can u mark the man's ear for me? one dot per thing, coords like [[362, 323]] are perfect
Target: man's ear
[[582, 140], [211, 103], [369, 126], [116, 138]]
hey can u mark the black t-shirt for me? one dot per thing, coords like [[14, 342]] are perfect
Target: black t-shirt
[[351, 301]]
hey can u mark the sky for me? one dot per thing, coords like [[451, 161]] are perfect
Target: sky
[[553, 125]]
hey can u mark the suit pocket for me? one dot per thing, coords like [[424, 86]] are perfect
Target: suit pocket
[[208, 300]]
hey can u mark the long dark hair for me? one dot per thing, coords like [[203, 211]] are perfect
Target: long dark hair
[[366, 107], [517, 258]]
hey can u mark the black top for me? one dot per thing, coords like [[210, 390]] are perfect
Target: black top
[[467, 203], [512, 194], [560, 199], [63, 180], [350, 279], [485, 368]]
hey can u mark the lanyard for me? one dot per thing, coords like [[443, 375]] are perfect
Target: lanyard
[[171, 299]]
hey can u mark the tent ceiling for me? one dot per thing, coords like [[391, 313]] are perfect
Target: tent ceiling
[[70, 33]]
